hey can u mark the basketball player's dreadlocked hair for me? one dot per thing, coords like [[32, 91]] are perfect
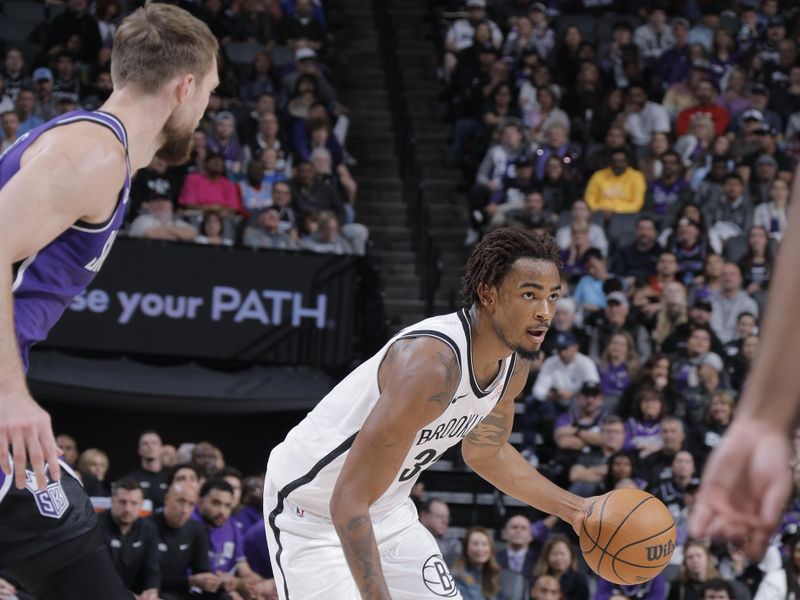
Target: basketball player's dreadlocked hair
[[492, 258]]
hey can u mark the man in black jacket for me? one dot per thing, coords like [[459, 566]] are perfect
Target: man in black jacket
[[183, 545], [133, 542]]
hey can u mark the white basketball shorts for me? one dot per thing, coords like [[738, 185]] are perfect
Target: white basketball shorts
[[308, 561]]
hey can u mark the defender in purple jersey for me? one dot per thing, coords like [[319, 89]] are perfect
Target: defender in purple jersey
[[63, 194]]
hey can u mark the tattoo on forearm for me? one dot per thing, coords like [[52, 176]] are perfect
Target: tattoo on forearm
[[361, 552], [495, 427]]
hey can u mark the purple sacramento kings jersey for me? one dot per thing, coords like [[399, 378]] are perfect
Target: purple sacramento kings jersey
[[47, 281]]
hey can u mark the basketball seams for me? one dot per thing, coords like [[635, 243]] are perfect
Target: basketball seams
[[596, 542], [616, 531]]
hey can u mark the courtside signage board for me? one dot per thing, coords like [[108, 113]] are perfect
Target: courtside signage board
[[185, 300]]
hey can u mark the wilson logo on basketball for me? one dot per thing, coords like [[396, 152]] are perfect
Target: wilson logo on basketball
[[659, 551]]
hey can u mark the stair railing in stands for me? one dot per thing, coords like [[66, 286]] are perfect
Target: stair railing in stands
[[418, 213]]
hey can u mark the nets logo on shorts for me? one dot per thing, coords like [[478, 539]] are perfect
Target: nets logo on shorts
[[52, 502], [437, 577]]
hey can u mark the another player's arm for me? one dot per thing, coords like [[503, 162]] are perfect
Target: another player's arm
[[487, 451], [70, 173], [418, 379]]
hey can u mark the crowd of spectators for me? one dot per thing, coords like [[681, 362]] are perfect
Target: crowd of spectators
[[657, 141], [275, 121], [184, 525]]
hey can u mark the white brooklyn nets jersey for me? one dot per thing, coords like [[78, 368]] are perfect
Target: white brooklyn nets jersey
[[304, 468]]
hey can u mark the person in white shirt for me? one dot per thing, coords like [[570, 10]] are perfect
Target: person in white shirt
[[729, 302], [462, 32], [654, 37], [644, 118], [563, 374]]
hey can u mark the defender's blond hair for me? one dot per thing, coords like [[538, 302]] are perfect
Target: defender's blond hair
[[157, 42]]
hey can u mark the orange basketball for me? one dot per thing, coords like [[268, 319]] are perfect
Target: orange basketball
[[628, 536]]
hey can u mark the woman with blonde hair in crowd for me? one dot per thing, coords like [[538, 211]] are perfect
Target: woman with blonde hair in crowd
[[672, 313], [619, 364], [94, 463], [477, 574], [558, 559], [698, 567]]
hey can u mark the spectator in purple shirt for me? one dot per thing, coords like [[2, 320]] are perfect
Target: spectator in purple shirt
[[256, 550], [250, 509], [223, 141], [643, 429], [671, 189], [225, 540], [579, 429], [655, 589], [619, 364]]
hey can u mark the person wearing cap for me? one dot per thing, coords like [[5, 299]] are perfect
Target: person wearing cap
[[159, 222], [619, 188], [616, 315], [705, 93], [45, 100], [306, 64], [760, 101], [767, 145], [563, 374], [654, 37], [302, 27], [578, 429], [265, 232]]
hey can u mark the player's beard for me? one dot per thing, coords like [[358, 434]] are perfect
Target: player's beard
[[502, 334], [178, 139]]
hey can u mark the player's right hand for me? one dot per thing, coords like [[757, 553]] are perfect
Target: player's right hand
[[26, 428], [744, 487]]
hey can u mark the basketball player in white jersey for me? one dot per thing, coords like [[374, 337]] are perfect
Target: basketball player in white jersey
[[339, 519]]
